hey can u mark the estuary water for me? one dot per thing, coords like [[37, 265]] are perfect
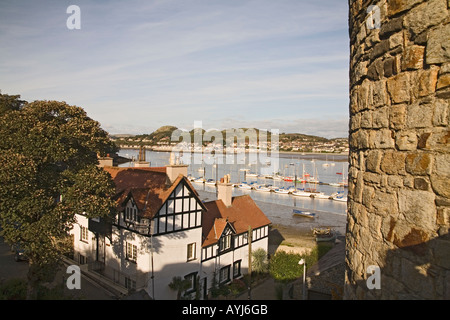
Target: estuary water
[[278, 207]]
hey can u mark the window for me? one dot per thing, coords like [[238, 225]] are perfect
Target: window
[[131, 252], [130, 284], [236, 269], [84, 234], [192, 280], [191, 251], [224, 274], [225, 243]]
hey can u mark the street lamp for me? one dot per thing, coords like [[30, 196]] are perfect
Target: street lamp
[[303, 262]]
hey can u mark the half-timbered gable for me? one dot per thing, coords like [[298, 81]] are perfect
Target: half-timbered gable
[[181, 211]]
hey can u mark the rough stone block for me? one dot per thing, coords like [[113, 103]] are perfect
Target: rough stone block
[[427, 81], [442, 165], [379, 94], [441, 112], [419, 115], [438, 45], [397, 116], [418, 208], [359, 139], [406, 140], [413, 57], [373, 160], [425, 15], [393, 25], [399, 88], [421, 184], [366, 119], [440, 185], [443, 81], [381, 139], [376, 70], [397, 6], [380, 118], [393, 163], [439, 140], [419, 163], [396, 40]]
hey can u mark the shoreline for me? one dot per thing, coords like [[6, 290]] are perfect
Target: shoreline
[[336, 157]]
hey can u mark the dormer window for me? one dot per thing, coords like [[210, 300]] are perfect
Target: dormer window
[[225, 242], [131, 213]]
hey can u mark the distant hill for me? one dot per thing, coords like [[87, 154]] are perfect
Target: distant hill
[[288, 141]]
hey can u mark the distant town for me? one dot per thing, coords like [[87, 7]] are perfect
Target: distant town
[[160, 140]]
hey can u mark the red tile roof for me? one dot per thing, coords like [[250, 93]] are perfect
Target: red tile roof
[[242, 214], [148, 187]]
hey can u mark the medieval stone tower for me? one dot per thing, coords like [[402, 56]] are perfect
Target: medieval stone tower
[[399, 175]]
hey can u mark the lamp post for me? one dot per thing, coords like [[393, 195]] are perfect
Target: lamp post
[[303, 262]]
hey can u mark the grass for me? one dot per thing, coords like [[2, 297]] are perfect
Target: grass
[[284, 266]]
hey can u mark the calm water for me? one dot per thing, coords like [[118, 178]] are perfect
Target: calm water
[[325, 170]]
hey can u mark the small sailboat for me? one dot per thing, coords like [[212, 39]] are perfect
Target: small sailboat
[[244, 185], [262, 189], [199, 180], [300, 213], [281, 190], [321, 195]]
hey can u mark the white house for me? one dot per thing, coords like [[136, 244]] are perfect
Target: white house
[[163, 230]]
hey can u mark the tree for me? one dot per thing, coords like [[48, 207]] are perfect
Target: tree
[[8, 103], [179, 285], [259, 261], [49, 172]]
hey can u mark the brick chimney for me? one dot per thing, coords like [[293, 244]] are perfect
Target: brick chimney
[[225, 190], [175, 169], [105, 161]]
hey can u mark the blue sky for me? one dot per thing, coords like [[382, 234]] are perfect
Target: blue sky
[[137, 65]]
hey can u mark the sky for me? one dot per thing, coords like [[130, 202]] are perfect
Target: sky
[[137, 65]]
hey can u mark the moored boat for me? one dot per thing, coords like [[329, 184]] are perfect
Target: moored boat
[[300, 213], [324, 234]]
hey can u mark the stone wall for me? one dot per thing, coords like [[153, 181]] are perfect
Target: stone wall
[[399, 175]]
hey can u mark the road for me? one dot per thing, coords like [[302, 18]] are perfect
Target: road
[[10, 269]]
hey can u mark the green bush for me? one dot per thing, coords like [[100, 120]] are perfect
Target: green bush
[[284, 266], [13, 289]]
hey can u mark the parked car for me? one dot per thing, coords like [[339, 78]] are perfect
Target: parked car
[[19, 253]]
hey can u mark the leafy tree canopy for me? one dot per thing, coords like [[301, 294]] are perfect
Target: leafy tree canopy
[[49, 172]]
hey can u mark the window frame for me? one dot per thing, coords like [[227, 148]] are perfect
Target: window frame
[[193, 255], [131, 252]]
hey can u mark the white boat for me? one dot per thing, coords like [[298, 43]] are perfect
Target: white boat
[[262, 189], [251, 175], [199, 180], [321, 195], [334, 184], [211, 182], [281, 191], [244, 185], [341, 198], [300, 213], [302, 193]]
